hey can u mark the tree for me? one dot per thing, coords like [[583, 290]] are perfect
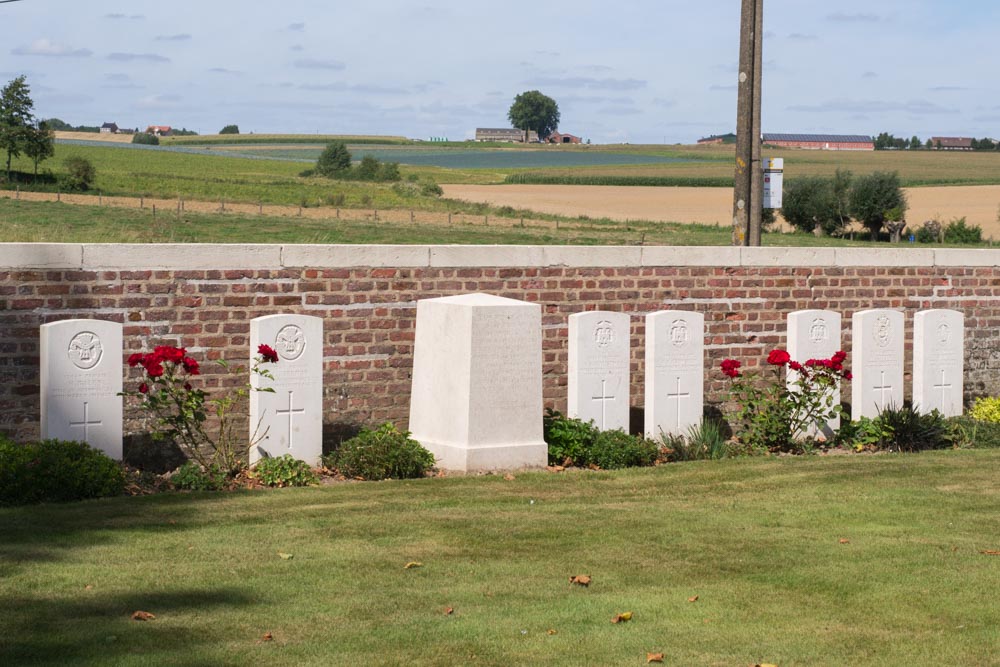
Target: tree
[[230, 129], [807, 203], [80, 172], [40, 144], [532, 110], [877, 197], [146, 139], [15, 118], [915, 143], [335, 160]]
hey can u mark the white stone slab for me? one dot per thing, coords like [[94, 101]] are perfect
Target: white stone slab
[[938, 361], [292, 417], [476, 401], [815, 334], [598, 378], [675, 372], [878, 337], [81, 377]]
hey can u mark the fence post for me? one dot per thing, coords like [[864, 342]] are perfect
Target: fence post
[[411, 216], [142, 202], [449, 217], [58, 195], [154, 211], [222, 205], [18, 192], [376, 214], [300, 210], [338, 213], [486, 220], [260, 207], [100, 199]]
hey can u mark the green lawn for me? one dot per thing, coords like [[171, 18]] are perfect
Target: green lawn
[[848, 560]]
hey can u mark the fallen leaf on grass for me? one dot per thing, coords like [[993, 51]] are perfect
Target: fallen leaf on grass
[[580, 580], [693, 599], [283, 556], [142, 616], [88, 587], [990, 552], [509, 477], [844, 540], [765, 664], [449, 611], [654, 657], [268, 637], [550, 632], [555, 468], [621, 618], [412, 564]]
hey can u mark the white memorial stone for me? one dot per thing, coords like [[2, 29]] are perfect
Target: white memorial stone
[[675, 372], [938, 361], [81, 377], [476, 400], [598, 378], [290, 419], [815, 334], [878, 337]]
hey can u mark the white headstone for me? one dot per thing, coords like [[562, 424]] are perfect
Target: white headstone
[[291, 418], [938, 361], [675, 372], [878, 337], [81, 377], [815, 334], [476, 401], [598, 379]]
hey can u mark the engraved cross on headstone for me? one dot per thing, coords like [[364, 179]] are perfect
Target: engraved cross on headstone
[[678, 395], [882, 390], [291, 412], [86, 423], [604, 398], [944, 387]]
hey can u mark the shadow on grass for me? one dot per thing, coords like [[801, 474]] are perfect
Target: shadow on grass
[[95, 628]]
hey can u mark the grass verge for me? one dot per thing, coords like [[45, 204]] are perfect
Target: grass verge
[[818, 561]]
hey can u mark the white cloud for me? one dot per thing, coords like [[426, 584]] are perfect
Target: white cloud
[[138, 57], [314, 63], [48, 48]]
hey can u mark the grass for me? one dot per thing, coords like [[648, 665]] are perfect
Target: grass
[[35, 222], [758, 541]]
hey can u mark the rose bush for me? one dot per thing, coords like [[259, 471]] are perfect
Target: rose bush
[[774, 410], [181, 412]]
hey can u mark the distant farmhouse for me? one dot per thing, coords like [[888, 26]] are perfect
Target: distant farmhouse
[[159, 130], [109, 128], [505, 134], [825, 142], [563, 138], [952, 143]]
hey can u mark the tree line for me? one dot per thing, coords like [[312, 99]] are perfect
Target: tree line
[[889, 142]]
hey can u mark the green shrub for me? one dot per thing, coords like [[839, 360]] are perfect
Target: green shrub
[[80, 172], [569, 440], [230, 129], [388, 172], [704, 441], [56, 471], [145, 139], [929, 232], [284, 471], [986, 409], [957, 231], [334, 161], [976, 434], [367, 169], [192, 477], [431, 190], [872, 198], [617, 449], [382, 453], [907, 430]]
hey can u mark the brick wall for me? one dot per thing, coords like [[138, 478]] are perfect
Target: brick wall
[[203, 297]]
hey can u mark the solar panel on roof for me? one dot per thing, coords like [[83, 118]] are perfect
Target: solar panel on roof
[[826, 138]]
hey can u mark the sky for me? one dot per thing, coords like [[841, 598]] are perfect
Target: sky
[[636, 71]]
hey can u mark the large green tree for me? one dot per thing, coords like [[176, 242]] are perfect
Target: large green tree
[[532, 110], [878, 198], [16, 119], [40, 144], [334, 161]]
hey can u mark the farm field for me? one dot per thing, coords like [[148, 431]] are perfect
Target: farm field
[[978, 204], [836, 560]]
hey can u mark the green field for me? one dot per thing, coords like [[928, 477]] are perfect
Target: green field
[[849, 560]]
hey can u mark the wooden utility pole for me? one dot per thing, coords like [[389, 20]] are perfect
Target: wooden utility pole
[[748, 184]]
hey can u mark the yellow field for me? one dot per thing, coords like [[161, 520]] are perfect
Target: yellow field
[[95, 136]]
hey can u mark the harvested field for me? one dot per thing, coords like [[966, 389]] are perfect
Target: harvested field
[[977, 203], [95, 136]]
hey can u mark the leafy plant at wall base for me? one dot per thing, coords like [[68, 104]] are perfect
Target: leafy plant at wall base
[[907, 430], [192, 477], [975, 434], [704, 441], [382, 453], [56, 471], [569, 440], [617, 449], [180, 411], [284, 471], [773, 411], [986, 409]]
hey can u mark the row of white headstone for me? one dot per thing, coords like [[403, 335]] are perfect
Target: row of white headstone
[[477, 375]]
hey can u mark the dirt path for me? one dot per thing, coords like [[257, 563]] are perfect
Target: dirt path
[[979, 204]]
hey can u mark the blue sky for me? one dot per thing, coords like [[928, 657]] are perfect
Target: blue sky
[[642, 71]]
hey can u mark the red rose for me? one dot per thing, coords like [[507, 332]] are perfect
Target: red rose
[[839, 357], [143, 388], [848, 375], [135, 359], [170, 353], [778, 358], [795, 366], [187, 385], [191, 366], [730, 367], [154, 368], [268, 353]]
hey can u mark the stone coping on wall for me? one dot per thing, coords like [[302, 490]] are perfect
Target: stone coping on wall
[[197, 256]]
